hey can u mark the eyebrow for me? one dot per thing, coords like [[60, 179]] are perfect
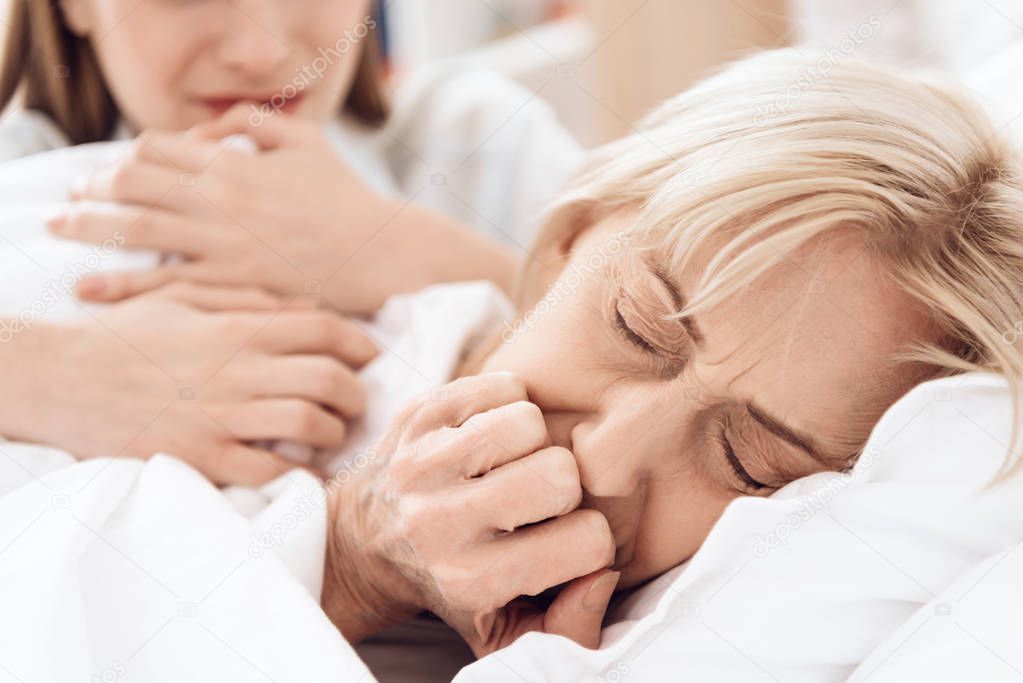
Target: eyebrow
[[783, 431], [673, 291]]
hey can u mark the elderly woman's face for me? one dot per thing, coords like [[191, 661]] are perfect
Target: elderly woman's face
[[669, 419]]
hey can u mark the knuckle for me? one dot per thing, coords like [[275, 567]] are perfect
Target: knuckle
[[226, 195], [121, 179], [326, 378], [355, 395], [179, 288], [561, 464], [507, 383], [531, 423], [139, 146], [416, 520], [144, 224], [428, 415], [232, 327], [428, 450], [404, 416], [300, 416], [322, 328]]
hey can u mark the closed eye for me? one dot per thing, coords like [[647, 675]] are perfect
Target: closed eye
[[737, 466], [631, 335]]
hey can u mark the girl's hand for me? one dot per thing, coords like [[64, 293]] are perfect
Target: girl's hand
[[464, 508], [292, 219], [197, 372]]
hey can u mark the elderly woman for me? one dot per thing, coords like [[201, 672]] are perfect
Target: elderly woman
[[754, 294]]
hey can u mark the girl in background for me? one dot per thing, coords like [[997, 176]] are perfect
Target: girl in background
[[329, 205]]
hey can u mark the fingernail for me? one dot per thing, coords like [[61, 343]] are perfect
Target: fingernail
[[57, 223], [597, 597], [91, 285], [76, 190]]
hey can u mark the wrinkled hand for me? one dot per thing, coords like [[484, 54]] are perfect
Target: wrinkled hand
[[292, 219], [465, 508], [197, 372]]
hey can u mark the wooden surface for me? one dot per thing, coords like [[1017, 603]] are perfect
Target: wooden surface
[[649, 50]]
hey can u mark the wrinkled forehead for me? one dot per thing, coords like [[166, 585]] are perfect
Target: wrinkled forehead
[[817, 338]]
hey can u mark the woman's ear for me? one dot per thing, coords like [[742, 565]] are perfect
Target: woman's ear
[[77, 16]]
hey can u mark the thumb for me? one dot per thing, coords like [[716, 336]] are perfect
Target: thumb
[[578, 611]]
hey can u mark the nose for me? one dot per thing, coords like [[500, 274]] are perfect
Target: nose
[[253, 42]]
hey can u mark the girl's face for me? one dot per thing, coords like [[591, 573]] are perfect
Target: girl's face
[[171, 64], [669, 419]]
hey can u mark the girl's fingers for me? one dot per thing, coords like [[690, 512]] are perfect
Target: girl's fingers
[[319, 379], [266, 128], [110, 287], [143, 184], [185, 153], [241, 465], [290, 419], [219, 299], [318, 333], [135, 227]]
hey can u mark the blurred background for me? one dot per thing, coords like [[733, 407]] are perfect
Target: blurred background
[[602, 64]]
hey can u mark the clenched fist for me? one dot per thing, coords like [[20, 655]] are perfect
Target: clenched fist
[[465, 508]]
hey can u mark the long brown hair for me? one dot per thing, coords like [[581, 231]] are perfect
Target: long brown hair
[[62, 78]]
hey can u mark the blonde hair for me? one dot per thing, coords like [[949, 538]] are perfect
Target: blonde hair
[[59, 75], [779, 149]]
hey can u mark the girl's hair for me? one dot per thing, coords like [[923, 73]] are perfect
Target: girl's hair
[[62, 78], [780, 149]]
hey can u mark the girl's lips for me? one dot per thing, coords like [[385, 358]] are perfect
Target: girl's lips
[[276, 103]]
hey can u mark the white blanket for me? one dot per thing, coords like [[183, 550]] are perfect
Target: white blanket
[[118, 569]]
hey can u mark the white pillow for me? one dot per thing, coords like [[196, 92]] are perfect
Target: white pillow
[[805, 585], [996, 83]]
